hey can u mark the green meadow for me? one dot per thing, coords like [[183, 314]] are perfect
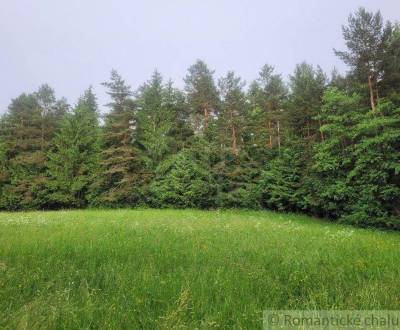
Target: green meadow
[[166, 269]]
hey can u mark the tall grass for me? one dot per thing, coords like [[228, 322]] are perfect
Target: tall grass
[[163, 269]]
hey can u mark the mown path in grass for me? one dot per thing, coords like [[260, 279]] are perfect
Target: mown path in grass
[[167, 268]]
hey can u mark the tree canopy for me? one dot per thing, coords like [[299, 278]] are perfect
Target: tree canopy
[[329, 147]]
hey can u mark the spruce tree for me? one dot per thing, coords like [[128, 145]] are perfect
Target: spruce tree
[[155, 121], [281, 180], [118, 180], [182, 181], [374, 180], [355, 174], [72, 163], [329, 193], [307, 87], [181, 131], [390, 82]]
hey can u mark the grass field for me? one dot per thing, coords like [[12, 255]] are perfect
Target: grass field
[[168, 269]]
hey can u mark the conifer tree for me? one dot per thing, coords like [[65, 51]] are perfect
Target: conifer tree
[[374, 179], [155, 121], [28, 128], [327, 147], [182, 181], [233, 170], [202, 95], [281, 180], [365, 38], [355, 172], [268, 94], [72, 164], [334, 157], [232, 114], [118, 181], [175, 103], [307, 87], [390, 83]]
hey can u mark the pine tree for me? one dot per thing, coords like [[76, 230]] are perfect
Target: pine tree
[[233, 170], [365, 37], [268, 95], [118, 181], [232, 114], [72, 163], [28, 128], [202, 95]]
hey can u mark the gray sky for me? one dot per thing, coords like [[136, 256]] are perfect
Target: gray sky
[[71, 44]]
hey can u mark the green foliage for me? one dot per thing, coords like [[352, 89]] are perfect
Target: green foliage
[[182, 181], [333, 157], [307, 87], [390, 83], [356, 167], [181, 131], [232, 114], [118, 180], [328, 147], [281, 181], [375, 175], [202, 94], [237, 182], [27, 130], [156, 117], [72, 164], [267, 96], [365, 37]]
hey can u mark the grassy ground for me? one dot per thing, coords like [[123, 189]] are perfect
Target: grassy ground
[[165, 268]]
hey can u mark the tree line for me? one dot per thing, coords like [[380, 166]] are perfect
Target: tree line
[[326, 146]]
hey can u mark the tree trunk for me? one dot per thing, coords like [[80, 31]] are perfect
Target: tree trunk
[[42, 136], [270, 135], [279, 137], [269, 113], [371, 93], [205, 118], [322, 133], [234, 141]]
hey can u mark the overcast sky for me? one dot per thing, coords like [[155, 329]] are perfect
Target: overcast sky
[[71, 44]]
